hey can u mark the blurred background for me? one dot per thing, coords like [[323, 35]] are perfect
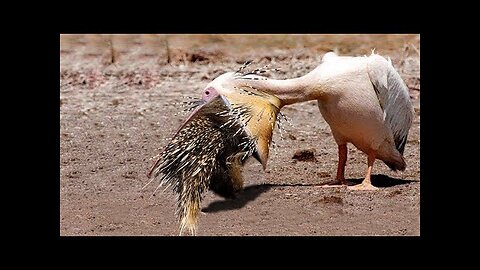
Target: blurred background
[[136, 53]]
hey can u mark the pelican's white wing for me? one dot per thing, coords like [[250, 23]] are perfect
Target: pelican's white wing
[[394, 98]]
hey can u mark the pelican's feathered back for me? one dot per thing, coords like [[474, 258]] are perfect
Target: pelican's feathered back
[[394, 98]]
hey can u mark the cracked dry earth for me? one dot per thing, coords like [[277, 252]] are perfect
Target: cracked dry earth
[[114, 118]]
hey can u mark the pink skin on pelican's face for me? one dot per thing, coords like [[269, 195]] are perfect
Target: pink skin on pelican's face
[[209, 94]]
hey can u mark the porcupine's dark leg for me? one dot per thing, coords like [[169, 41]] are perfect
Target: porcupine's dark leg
[[228, 181], [221, 184]]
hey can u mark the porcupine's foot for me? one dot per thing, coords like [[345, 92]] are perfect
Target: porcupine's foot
[[226, 190], [228, 181], [227, 194], [222, 185]]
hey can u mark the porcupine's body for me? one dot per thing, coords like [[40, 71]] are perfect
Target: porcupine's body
[[208, 151]]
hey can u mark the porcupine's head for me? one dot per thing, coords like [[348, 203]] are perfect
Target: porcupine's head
[[228, 125]]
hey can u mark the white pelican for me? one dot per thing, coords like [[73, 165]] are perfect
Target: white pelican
[[363, 99]]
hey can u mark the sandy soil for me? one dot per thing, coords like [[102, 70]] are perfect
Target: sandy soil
[[118, 98]]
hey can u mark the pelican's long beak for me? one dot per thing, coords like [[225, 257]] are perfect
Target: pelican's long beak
[[259, 119]]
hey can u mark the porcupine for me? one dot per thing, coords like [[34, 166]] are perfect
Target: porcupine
[[209, 150], [211, 147]]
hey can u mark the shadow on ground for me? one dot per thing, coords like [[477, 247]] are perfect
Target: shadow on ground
[[250, 193], [380, 180]]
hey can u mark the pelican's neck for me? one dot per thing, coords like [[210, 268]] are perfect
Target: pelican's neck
[[290, 91]]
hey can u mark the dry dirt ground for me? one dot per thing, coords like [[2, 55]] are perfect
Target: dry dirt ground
[[118, 98]]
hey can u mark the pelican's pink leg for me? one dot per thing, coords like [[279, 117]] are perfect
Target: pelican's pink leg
[[367, 184], [342, 161]]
